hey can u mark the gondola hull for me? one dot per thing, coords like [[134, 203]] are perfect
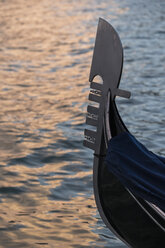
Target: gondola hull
[[120, 211]]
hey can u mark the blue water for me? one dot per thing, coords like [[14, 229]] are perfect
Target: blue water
[[46, 194]]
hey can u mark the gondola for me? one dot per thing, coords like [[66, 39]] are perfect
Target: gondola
[[137, 222]]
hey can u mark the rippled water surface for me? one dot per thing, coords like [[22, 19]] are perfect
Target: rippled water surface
[[46, 195]]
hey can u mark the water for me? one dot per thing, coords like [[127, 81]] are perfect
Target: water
[[46, 195]]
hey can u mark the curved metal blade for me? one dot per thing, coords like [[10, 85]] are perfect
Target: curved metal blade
[[107, 62]]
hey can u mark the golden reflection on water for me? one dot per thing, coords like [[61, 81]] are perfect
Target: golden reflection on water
[[45, 185]]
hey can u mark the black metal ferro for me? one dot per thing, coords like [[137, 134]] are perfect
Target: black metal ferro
[[107, 63], [133, 220]]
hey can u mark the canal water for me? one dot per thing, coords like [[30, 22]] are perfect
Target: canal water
[[46, 46]]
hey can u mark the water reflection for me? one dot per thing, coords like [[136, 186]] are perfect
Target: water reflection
[[46, 196]]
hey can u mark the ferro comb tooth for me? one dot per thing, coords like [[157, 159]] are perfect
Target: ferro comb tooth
[[92, 122], [90, 133], [94, 98], [96, 86], [89, 144], [95, 92], [123, 93], [92, 110]]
